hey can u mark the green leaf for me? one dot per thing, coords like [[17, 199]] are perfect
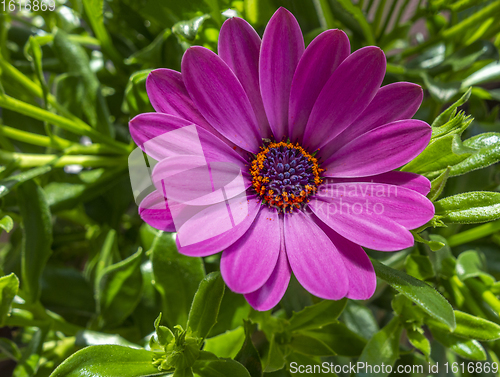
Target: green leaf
[[85, 338], [108, 361], [6, 185], [352, 17], [419, 266], [206, 304], [488, 153], [437, 185], [316, 316], [37, 239], [419, 341], [469, 207], [359, 319], [419, 292], [6, 223], [439, 154], [468, 349], [248, 355], [470, 327], [450, 112], [176, 277], [382, 348], [9, 286], [226, 344], [334, 338], [486, 74], [77, 64], [119, 290], [30, 360], [220, 368], [472, 264], [309, 366], [441, 91]]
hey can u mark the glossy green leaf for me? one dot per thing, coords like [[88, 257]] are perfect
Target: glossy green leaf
[[220, 368], [9, 286], [469, 208], [419, 292], [470, 327], [419, 341], [176, 277], [468, 349], [85, 338], [119, 290], [108, 361], [472, 264], [488, 153], [439, 154], [248, 355], [37, 240], [382, 348], [7, 184], [489, 73], [6, 223], [206, 304], [419, 266], [227, 344], [317, 316]]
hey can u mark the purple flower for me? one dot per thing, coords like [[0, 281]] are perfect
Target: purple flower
[[317, 141]]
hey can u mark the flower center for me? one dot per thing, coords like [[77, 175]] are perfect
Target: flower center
[[285, 175]]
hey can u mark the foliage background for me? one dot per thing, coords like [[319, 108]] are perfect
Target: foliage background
[[79, 268]]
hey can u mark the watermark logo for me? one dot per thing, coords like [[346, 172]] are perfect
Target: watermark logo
[[205, 198]]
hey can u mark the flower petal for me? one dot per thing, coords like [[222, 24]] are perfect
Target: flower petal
[[347, 93], [392, 102], [380, 150], [360, 271], [282, 48], [321, 58], [239, 47], [162, 136], [369, 220], [154, 211], [270, 294], [403, 205], [409, 180], [222, 241], [249, 262], [220, 98], [314, 259], [168, 95]]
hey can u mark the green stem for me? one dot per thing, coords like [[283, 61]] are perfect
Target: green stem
[[26, 160], [474, 234], [55, 142], [400, 13], [24, 108], [378, 17], [485, 293], [469, 298], [388, 19]]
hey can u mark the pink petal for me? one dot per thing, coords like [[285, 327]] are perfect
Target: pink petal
[[270, 294], [360, 271], [168, 95], [372, 215], [282, 48], [220, 242], [321, 58], [314, 259], [162, 136], [239, 47], [411, 181], [249, 262], [392, 102], [220, 98], [347, 93], [380, 150], [154, 211]]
